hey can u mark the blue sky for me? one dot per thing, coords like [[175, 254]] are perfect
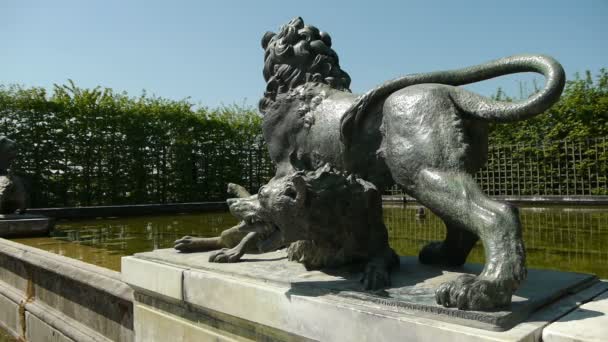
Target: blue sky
[[210, 50]]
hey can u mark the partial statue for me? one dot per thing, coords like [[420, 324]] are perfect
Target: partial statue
[[420, 131], [12, 191], [246, 237], [329, 218], [230, 239]]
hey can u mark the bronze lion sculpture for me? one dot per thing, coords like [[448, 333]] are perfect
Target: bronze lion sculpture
[[419, 131]]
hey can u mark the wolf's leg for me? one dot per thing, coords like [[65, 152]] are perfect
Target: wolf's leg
[[458, 200], [234, 254], [452, 251], [229, 238], [189, 244]]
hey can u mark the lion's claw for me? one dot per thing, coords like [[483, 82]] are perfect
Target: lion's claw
[[469, 292], [225, 255]]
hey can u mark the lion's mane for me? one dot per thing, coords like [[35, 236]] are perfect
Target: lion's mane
[[298, 54]]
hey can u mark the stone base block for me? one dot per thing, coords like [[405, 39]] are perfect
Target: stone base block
[[270, 294], [24, 225], [9, 316], [155, 325], [38, 331], [588, 323]]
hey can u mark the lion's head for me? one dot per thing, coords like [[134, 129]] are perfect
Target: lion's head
[[298, 54]]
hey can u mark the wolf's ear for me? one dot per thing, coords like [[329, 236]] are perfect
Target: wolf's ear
[[266, 39], [300, 186]]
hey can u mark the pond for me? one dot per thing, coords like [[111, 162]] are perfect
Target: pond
[[568, 239]]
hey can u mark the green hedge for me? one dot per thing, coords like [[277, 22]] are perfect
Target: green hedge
[[581, 113], [553, 168], [98, 147], [564, 151]]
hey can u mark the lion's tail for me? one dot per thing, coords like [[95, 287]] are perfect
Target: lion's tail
[[475, 105]]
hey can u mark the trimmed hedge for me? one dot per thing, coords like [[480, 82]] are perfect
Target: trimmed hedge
[[81, 147]]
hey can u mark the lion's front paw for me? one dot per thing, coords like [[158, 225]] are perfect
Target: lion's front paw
[[469, 292], [226, 255], [376, 276]]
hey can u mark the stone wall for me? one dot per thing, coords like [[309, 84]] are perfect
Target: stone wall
[[47, 297], [128, 210]]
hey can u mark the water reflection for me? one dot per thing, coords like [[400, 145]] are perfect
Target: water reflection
[[104, 241], [571, 239]]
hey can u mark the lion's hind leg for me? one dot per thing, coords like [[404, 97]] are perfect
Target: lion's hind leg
[[459, 201]]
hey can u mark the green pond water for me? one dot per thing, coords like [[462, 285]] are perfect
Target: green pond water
[[568, 239]]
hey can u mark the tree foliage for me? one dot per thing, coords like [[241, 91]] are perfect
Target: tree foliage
[[96, 147], [563, 151], [581, 112]]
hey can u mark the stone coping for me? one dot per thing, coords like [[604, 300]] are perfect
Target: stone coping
[[97, 277], [26, 216], [56, 323], [128, 210], [552, 199], [19, 225]]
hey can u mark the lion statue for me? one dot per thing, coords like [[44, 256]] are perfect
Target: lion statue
[[12, 191], [420, 131]]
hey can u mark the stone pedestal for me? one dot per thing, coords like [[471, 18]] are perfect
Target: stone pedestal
[[24, 225], [588, 323], [266, 297]]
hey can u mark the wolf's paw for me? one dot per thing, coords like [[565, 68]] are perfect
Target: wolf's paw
[[469, 292], [226, 255], [186, 244]]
